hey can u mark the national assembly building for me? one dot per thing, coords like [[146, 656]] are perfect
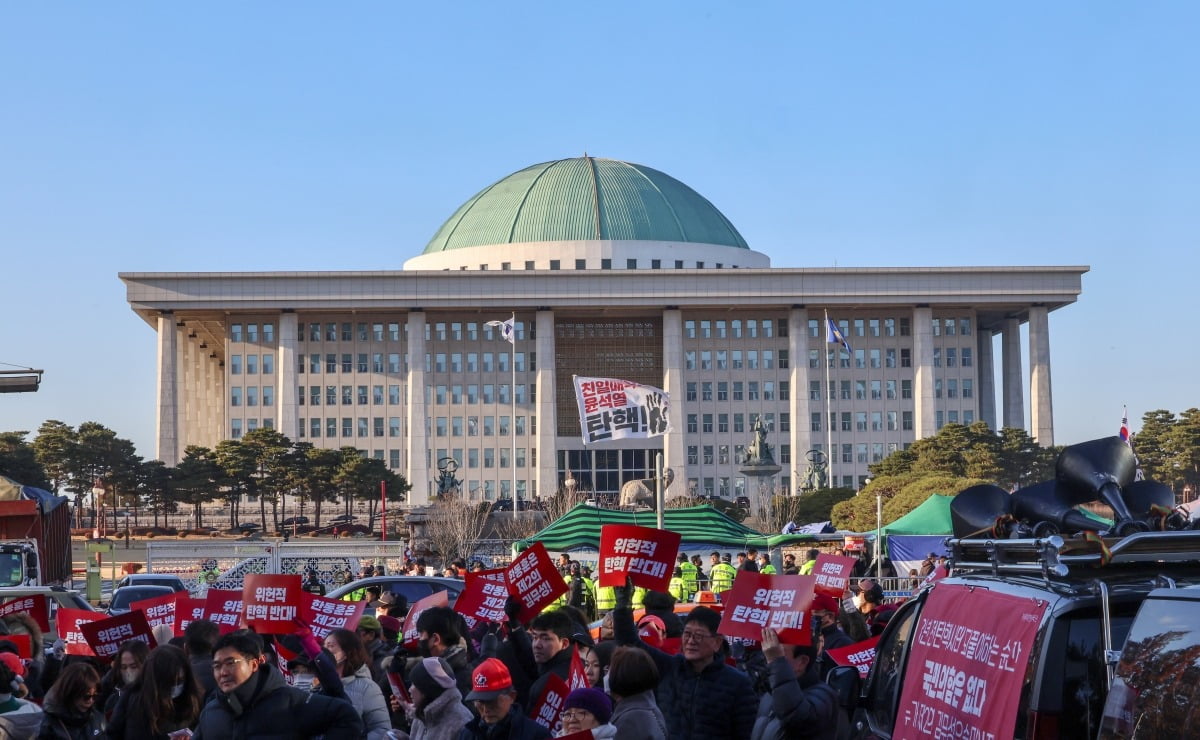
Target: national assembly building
[[614, 270]]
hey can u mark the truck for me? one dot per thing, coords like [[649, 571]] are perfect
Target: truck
[[35, 536]]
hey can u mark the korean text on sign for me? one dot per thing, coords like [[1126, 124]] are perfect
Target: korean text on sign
[[833, 574], [610, 408], [534, 580], [779, 602], [643, 554]]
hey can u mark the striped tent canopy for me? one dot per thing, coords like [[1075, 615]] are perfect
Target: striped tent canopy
[[579, 528]]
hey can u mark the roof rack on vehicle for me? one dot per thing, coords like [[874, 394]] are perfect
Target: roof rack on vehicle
[[1056, 556]]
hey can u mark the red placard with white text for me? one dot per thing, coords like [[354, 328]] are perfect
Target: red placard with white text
[[496, 575], [860, 655], [576, 674], [106, 635], [68, 622], [159, 610], [187, 610], [968, 654], [223, 608], [438, 598], [533, 579], [548, 707], [644, 554], [271, 602], [833, 574], [324, 615], [778, 602], [483, 598], [36, 606]]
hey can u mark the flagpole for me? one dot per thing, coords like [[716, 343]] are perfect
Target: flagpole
[[828, 406], [512, 423]]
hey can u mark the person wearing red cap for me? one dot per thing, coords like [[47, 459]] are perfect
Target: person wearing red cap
[[19, 718], [825, 610], [495, 700]]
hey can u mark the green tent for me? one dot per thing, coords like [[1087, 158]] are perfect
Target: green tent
[[931, 517], [580, 527]]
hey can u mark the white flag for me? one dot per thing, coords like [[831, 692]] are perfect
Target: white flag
[[506, 330], [618, 409]]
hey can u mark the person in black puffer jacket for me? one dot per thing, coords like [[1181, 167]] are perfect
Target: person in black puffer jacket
[[70, 707], [795, 707], [254, 701], [700, 696]]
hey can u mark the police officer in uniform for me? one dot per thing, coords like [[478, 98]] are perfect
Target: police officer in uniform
[[690, 579], [678, 586], [722, 575], [209, 572]]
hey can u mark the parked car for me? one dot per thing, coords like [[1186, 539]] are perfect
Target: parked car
[[122, 598], [1089, 605], [174, 582], [412, 588], [1152, 695], [56, 596], [292, 520]]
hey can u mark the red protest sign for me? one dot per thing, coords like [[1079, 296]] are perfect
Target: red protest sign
[[483, 598], [860, 655], [534, 580], [187, 610], [69, 621], [645, 555], [969, 653], [833, 574], [106, 635], [410, 621], [159, 610], [778, 602], [326, 615], [283, 656], [495, 575], [271, 603], [24, 645], [36, 606], [576, 674], [548, 707], [223, 608]]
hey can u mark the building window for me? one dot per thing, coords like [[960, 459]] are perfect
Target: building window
[[966, 357], [235, 429], [968, 388], [555, 264], [235, 396], [235, 334], [905, 358], [268, 395], [235, 364], [580, 264], [393, 426], [693, 424]]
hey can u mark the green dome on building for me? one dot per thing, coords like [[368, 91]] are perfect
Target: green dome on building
[[585, 199]]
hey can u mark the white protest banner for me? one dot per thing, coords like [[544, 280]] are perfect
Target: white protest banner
[[619, 409]]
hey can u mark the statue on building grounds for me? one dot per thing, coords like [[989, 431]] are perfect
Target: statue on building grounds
[[758, 452], [815, 476], [640, 491], [448, 484]]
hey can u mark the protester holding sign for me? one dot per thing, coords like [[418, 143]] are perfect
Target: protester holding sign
[[798, 704], [254, 700], [700, 696]]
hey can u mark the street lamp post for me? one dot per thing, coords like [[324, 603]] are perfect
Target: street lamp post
[[878, 530], [98, 505]]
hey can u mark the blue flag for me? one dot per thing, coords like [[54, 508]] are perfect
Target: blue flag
[[834, 335]]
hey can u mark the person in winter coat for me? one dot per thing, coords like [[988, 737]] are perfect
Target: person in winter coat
[[587, 709], [798, 704], [23, 623], [495, 699], [438, 711], [354, 666], [70, 711], [125, 671], [550, 640], [254, 701], [19, 719], [165, 698], [700, 696], [632, 678]]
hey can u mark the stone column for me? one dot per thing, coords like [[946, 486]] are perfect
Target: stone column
[[417, 440], [924, 404], [285, 376], [800, 438], [673, 452], [167, 432], [1010, 374], [986, 377], [188, 389], [547, 414], [1041, 407]]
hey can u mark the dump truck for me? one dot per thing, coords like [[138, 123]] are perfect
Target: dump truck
[[35, 536]]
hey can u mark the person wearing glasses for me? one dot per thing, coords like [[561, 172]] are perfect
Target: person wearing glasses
[[70, 706], [699, 695], [587, 709], [254, 700]]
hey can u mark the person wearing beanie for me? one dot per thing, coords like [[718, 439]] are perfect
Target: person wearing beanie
[[18, 718], [438, 710], [587, 709]]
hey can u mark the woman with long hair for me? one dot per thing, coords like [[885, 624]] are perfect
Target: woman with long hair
[[167, 698], [126, 670], [70, 706], [354, 668]]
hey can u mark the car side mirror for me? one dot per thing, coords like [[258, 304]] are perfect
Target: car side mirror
[[847, 684]]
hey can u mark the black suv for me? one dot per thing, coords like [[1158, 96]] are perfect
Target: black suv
[[1090, 602], [1154, 692]]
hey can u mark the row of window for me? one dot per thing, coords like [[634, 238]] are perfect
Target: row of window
[[704, 422], [878, 390], [849, 421], [721, 359], [734, 328], [347, 364], [486, 393], [888, 327], [350, 427], [348, 395], [722, 456], [749, 390], [394, 362], [347, 331], [885, 357], [250, 333], [238, 426], [454, 426], [473, 362], [251, 366], [250, 395]]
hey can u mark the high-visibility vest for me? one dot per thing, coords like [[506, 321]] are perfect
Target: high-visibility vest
[[689, 577], [722, 575], [807, 568], [678, 588], [768, 570], [606, 598], [639, 594]]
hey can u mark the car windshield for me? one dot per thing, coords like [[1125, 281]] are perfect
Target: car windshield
[[10, 569], [123, 597]]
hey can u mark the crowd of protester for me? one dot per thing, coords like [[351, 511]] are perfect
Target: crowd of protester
[[667, 673]]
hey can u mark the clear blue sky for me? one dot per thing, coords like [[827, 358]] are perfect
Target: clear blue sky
[[323, 136]]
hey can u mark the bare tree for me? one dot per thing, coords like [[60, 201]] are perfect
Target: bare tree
[[454, 525], [505, 526]]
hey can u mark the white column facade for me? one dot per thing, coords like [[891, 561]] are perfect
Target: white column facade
[[189, 392], [924, 404], [1041, 406], [800, 407], [1010, 374], [673, 448], [987, 377], [547, 481], [416, 440], [167, 431], [285, 376]]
